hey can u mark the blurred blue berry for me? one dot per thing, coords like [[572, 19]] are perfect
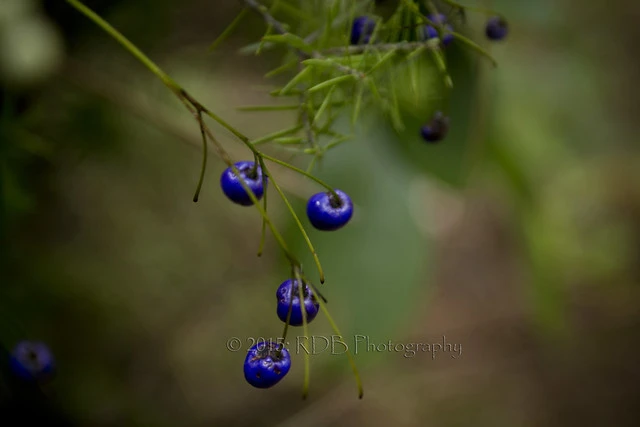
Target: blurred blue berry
[[266, 364], [496, 28], [234, 190], [436, 129], [431, 33], [32, 361], [327, 213], [287, 296], [362, 29], [440, 18]]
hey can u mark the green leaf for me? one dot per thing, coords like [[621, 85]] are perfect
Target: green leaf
[[252, 48], [294, 81], [331, 82], [324, 104], [385, 58], [281, 69], [291, 40], [289, 140], [227, 32], [278, 134]]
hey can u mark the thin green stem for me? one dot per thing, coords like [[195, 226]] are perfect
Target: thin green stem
[[305, 329], [297, 221], [301, 172], [290, 310], [230, 128], [263, 231], [276, 234], [312, 164], [475, 47], [278, 134], [205, 152], [352, 361], [227, 31]]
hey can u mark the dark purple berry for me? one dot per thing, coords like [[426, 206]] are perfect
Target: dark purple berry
[[234, 190], [362, 29], [286, 296], [436, 129], [327, 212], [431, 33], [496, 28], [266, 364], [32, 361]]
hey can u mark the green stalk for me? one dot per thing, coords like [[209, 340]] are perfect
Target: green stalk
[[298, 223]]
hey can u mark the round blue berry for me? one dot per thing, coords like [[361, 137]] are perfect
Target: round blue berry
[[327, 212], [266, 364], [291, 297], [431, 33], [496, 28], [233, 189], [362, 29], [32, 361], [436, 129]]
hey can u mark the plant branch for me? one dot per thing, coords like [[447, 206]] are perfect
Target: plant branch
[[382, 47], [279, 27]]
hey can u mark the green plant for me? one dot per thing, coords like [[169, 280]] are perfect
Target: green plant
[[331, 78]]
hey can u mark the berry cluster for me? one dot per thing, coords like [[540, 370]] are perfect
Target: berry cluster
[[268, 362], [438, 27], [327, 211]]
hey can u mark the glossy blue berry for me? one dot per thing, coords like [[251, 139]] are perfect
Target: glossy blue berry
[[431, 33], [328, 213], [32, 361], [266, 364], [496, 28], [287, 296], [362, 29], [234, 190], [436, 129]]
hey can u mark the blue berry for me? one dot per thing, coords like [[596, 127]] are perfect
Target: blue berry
[[436, 129], [328, 213], [362, 29], [266, 364], [234, 190], [496, 28], [32, 361], [431, 33], [286, 298]]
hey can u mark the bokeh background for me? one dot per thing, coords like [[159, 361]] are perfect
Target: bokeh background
[[517, 239]]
